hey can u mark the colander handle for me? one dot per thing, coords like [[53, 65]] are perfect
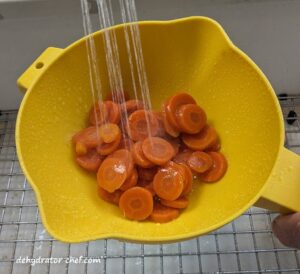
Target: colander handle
[[282, 193], [34, 71]]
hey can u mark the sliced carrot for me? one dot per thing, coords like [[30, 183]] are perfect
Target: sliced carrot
[[200, 161], [80, 148], [157, 150], [120, 96], [191, 118], [138, 129], [139, 157], [168, 183], [98, 114], [188, 182], [214, 147], [88, 137], [182, 157], [126, 143], [218, 169], [202, 140], [182, 202], [161, 128], [136, 203], [124, 155], [131, 181], [172, 107], [90, 161], [147, 174], [133, 105], [167, 126], [148, 185], [113, 112], [163, 214], [109, 132], [175, 142], [107, 148], [109, 197], [111, 174]]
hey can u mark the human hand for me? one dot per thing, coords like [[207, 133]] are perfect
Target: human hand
[[287, 229]]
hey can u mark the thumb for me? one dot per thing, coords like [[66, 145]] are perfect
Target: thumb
[[287, 229]]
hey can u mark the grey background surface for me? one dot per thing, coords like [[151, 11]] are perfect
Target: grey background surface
[[267, 30]]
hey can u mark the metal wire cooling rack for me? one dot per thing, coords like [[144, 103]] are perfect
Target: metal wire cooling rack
[[246, 245]]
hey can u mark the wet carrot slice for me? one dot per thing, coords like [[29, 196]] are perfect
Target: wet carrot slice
[[168, 183], [148, 185], [113, 112], [175, 143], [163, 214], [136, 203], [131, 181], [90, 161], [202, 140], [109, 197], [137, 125], [172, 107], [218, 169], [107, 148], [119, 98], [167, 126], [133, 105], [111, 174], [191, 118], [188, 182], [124, 155], [89, 137], [126, 143], [214, 147], [200, 161], [179, 203], [80, 148], [157, 150], [109, 132], [161, 128], [139, 157], [182, 157], [147, 174], [98, 114]]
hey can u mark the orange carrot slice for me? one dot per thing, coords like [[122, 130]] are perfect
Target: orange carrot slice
[[163, 214], [108, 148], [202, 140], [168, 183], [126, 143], [161, 128], [191, 118], [173, 105], [214, 147], [133, 105], [182, 157], [113, 112], [179, 203], [80, 148], [98, 114], [157, 150], [112, 198], [200, 161], [167, 126], [109, 132], [139, 157], [125, 156], [218, 169], [175, 143], [90, 161], [111, 174], [138, 129], [188, 182], [131, 181], [89, 137], [136, 203]]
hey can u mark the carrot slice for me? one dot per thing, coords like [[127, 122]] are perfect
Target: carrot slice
[[200, 161], [148, 185], [214, 147], [119, 96], [111, 174], [80, 148], [125, 143], [167, 126], [139, 157], [90, 161], [131, 181], [109, 197], [133, 105], [109, 132], [179, 203], [191, 118], [218, 169], [172, 107], [175, 143], [157, 150], [138, 129], [113, 112], [163, 214], [107, 148], [161, 128], [202, 140], [136, 203], [89, 137], [125, 156], [188, 182], [147, 174], [182, 157], [98, 114], [168, 183]]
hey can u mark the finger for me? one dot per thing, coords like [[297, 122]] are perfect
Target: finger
[[287, 229]]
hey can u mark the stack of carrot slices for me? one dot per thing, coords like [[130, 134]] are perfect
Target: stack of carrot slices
[[147, 166]]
